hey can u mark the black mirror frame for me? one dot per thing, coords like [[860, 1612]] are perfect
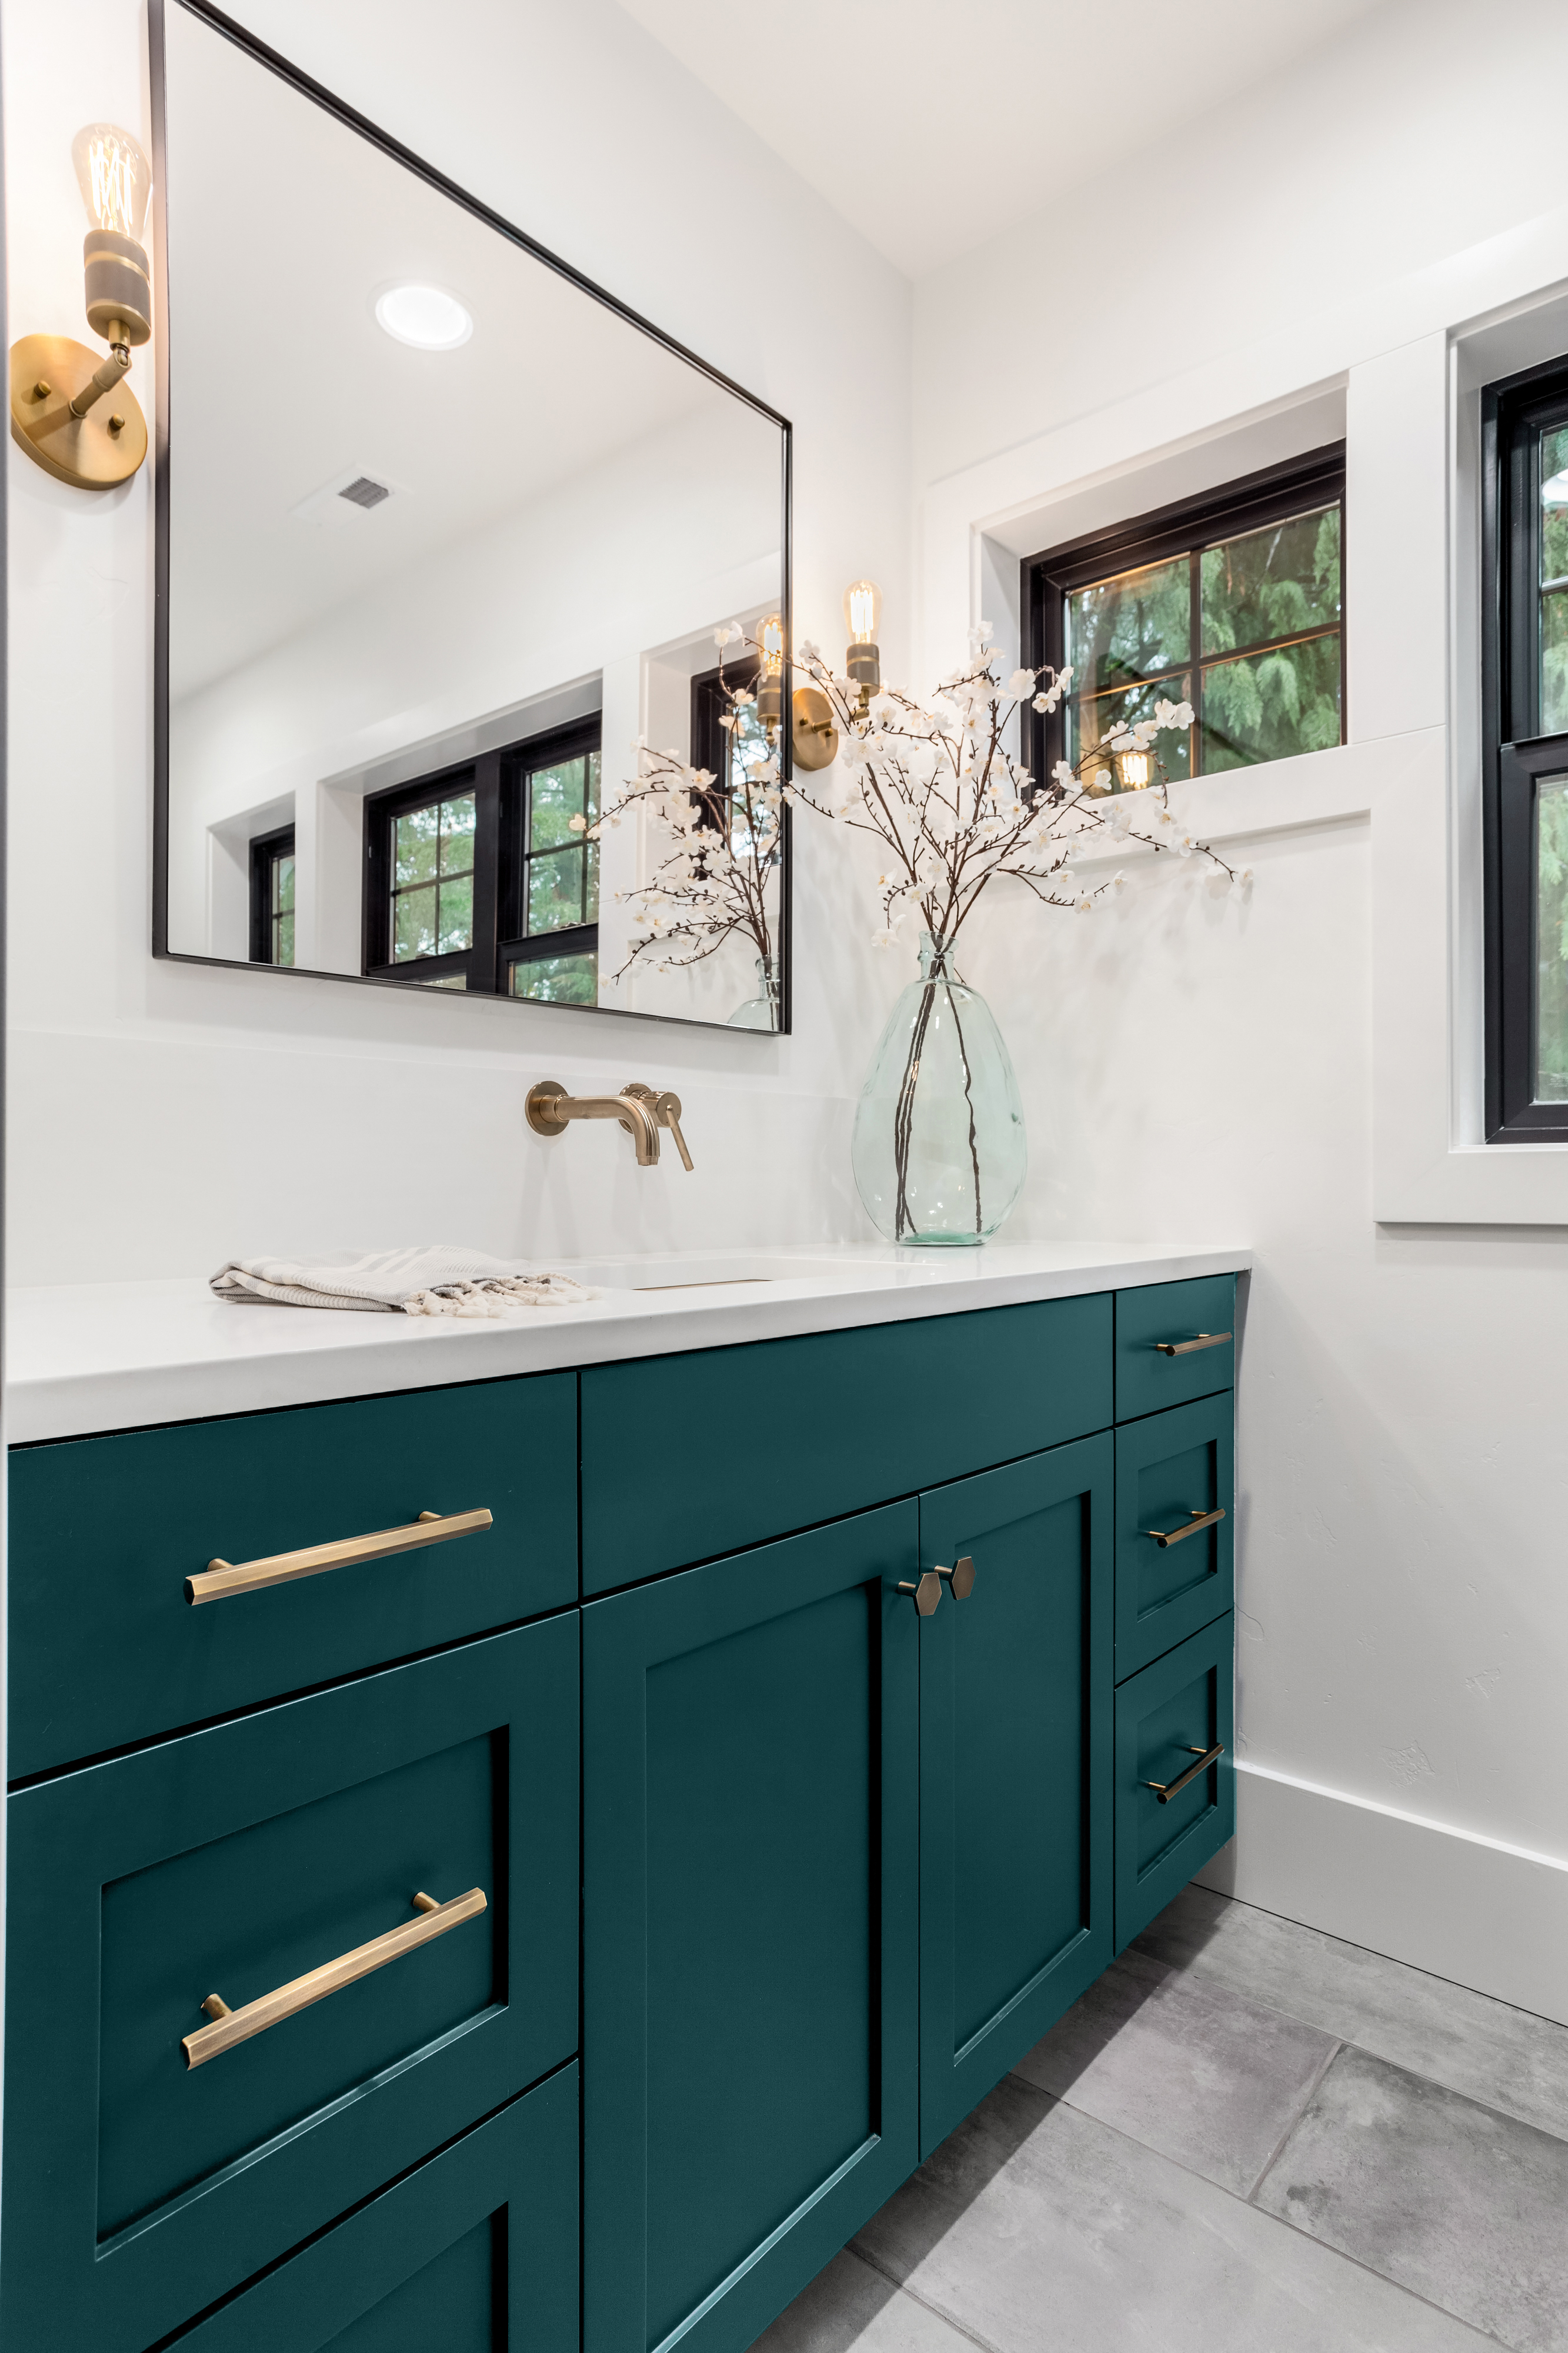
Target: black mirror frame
[[354, 121]]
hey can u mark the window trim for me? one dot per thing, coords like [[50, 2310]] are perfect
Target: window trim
[[1512, 409], [1183, 528], [264, 847], [514, 944]]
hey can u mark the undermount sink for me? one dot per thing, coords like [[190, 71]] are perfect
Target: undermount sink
[[724, 1270]]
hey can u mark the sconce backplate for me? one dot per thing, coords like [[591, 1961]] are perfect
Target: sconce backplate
[[92, 451], [813, 739]]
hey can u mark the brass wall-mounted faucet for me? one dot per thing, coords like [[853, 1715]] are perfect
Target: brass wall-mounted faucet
[[637, 1108]]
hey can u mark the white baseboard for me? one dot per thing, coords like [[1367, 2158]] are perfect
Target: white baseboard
[[1485, 1915]]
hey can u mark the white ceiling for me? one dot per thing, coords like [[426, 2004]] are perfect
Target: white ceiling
[[283, 387], [932, 124]]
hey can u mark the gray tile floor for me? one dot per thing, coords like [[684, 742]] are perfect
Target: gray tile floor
[[1246, 2138]]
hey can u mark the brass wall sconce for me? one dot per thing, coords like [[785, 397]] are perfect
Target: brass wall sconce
[[863, 661], [60, 412]]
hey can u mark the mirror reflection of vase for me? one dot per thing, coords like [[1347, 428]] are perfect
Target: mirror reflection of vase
[[760, 1011], [940, 1151]]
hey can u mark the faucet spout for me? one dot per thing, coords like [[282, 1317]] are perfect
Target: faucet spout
[[550, 1109]]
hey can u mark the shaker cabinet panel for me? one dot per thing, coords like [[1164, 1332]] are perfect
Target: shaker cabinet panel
[[1174, 1341], [1174, 1472], [750, 1857], [475, 2251], [1175, 1798], [106, 1648], [854, 1419], [147, 2173], [1015, 1740]]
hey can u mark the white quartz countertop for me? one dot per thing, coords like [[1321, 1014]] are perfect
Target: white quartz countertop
[[121, 1356]]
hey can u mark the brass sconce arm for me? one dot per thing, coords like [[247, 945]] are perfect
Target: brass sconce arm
[[115, 368], [637, 1109]]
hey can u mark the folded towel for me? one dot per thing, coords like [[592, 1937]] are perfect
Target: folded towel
[[434, 1281]]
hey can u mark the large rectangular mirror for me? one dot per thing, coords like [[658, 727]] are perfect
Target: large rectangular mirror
[[442, 532]]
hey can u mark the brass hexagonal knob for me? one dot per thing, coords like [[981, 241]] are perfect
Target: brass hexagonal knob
[[927, 1592], [961, 1577]]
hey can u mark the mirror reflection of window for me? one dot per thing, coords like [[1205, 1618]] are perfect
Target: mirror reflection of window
[[272, 897], [725, 751], [481, 878], [554, 958]]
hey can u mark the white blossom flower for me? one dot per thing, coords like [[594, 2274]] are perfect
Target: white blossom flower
[[809, 652], [1020, 684], [1084, 903], [577, 825], [1118, 881], [1062, 775]]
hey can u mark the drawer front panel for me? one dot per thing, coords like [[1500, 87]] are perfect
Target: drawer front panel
[[1167, 1718], [854, 1419], [1016, 1736], [106, 1649], [474, 2252], [750, 1907], [1173, 1315], [236, 1862], [1171, 1468]]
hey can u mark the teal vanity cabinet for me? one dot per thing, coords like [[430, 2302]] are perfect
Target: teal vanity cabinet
[[675, 1729]]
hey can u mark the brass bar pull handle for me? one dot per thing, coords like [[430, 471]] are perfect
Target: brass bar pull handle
[[1186, 1347], [667, 1111], [960, 1577], [232, 2026], [1165, 1790], [222, 1576], [1200, 1519], [927, 1592]]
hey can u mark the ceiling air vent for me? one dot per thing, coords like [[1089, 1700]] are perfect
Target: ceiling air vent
[[362, 492]]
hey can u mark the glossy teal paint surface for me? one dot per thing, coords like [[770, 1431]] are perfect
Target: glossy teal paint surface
[[232, 1861], [1167, 1466], [750, 1854], [1145, 1381], [474, 2252], [1185, 1700], [105, 1649], [854, 1419], [1016, 1736]]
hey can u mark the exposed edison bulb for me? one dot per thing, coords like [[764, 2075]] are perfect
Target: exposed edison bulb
[[862, 611], [1134, 770], [771, 640], [115, 178]]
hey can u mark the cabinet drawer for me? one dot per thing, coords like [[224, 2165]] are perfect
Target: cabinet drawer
[[1171, 1469], [105, 1647], [1161, 1316], [853, 1418], [138, 2187], [474, 2252], [1166, 1719]]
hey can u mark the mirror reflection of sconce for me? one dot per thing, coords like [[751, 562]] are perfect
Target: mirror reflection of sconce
[[60, 413], [1135, 771], [770, 673]]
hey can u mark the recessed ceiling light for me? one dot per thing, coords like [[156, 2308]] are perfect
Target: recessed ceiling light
[[424, 317]]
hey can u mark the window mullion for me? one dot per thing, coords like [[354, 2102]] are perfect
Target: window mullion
[[1195, 648]]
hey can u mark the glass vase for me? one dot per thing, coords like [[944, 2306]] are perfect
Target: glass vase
[[939, 1150], [760, 1011]]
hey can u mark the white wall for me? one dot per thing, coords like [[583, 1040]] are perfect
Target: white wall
[[1287, 1068], [164, 1117]]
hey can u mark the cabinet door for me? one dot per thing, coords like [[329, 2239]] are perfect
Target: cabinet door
[[1015, 1819], [1167, 1720], [750, 1985], [1172, 1470], [139, 2187], [475, 2252]]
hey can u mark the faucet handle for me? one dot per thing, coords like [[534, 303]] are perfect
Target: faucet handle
[[667, 1111]]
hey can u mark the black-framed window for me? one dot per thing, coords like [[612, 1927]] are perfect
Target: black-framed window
[[724, 751], [1232, 603], [477, 878], [1524, 432], [549, 927], [272, 897]]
